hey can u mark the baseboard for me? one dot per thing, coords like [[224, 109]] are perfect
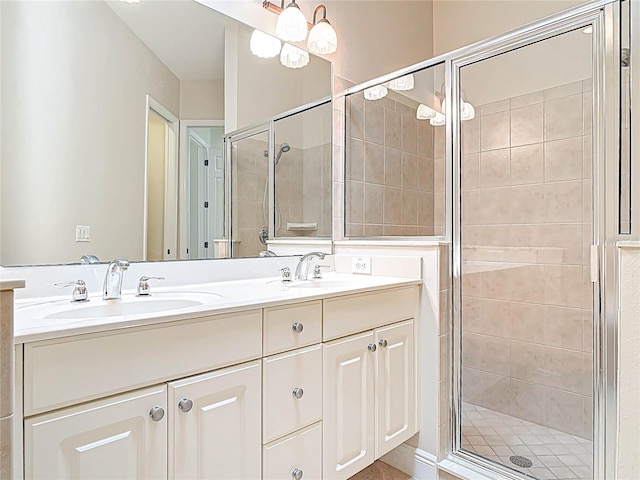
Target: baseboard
[[419, 464]]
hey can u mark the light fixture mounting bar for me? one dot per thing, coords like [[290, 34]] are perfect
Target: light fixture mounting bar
[[273, 8]]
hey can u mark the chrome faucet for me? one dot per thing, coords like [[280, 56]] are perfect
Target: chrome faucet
[[302, 269], [113, 279]]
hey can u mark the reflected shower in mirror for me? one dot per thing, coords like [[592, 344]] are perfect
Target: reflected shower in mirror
[[83, 185], [395, 157]]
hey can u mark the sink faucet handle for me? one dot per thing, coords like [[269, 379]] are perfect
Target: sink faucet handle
[[286, 275], [143, 285], [79, 294], [317, 271]]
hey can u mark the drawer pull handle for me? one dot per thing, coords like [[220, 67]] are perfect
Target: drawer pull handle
[[383, 343], [371, 347], [297, 393], [296, 474], [185, 405], [297, 327], [156, 414]]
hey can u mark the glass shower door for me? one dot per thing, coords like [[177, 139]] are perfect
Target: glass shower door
[[526, 230]]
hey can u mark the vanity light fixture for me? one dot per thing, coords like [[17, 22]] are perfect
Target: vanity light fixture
[[322, 37], [467, 111], [293, 57], [438, 120], [376, 93], [402, 83], [291, 25], [264, 45], [425, 113]]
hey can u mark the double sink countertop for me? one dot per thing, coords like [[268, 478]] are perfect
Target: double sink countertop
[[49, 318]]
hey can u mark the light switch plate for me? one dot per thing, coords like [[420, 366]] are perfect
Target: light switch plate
[[361, 265], [83, 233]]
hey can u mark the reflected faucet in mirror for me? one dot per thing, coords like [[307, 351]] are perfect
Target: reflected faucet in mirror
[[88, 259]]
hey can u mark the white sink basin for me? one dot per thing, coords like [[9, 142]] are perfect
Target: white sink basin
[[129, 305]]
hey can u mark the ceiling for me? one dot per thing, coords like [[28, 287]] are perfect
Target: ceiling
[[186, 36]]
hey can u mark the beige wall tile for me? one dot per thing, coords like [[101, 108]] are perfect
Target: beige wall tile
[[392, 230], [528, 362], [354, 230], [561, 243], [564, 411], [563, 285], [392, 205], [528, 99], [495, 107], [392, 129], [425, 210], [563, 118], [392, 167], [409, 207], [6, 444], [373, 163], [409, 171], [587, 207], [563, 90], [587, 374], [355, 106], [487, 317], [495, 168], [563, 160], [563, 202], [586, 156], [563, 369], [439, 175], [355, 160], [528, 401], [587, 113], [527, 322], [408, 230], [494, 206], [587, 418], [355, 202], [373, 204], [471, 136], [587, 331], [425, 139], [373, 230], [425, 174], [494, 131], [526, 125], [471, 171], [373, 123], [438, 142], [527, 164], [409, 134], [526, 204], [486, 390]]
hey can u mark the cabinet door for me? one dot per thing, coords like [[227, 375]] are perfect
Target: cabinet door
[[348, 406], [214, 432], [396, 386], [114, 438]]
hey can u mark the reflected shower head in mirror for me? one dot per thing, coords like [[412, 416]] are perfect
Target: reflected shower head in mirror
[[284, 148]]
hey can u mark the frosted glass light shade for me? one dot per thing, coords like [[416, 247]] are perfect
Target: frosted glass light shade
[[438, 120], [402, 83], [293, 57], [264, 45], [322, 38], [467, 112], [291, 25], [425, 113], [376, 93]]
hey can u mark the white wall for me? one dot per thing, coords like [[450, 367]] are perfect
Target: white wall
[[201, 99], [66, 131], [374, 37]]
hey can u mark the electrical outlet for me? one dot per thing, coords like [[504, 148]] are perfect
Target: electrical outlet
[[361, 265], [83, 233]]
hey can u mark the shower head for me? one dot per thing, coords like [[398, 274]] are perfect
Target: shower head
[[284, 148]]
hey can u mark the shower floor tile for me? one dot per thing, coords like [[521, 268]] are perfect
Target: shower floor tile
[[554, 455]]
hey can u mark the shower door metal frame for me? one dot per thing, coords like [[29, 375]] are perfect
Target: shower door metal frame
[[604, 17]]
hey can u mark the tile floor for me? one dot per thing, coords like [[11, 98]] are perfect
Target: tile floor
[[380, 471], [496, 436]]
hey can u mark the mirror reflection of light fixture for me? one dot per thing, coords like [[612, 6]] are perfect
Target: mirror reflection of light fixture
[[438, 120], [293, 57], [588, 29], [291, 25], [322, 37], [375, 93], [402, 83], [467, 111], [425, 113], [264, 45]]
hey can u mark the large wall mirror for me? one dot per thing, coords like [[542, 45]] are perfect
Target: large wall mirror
[[112, 123]]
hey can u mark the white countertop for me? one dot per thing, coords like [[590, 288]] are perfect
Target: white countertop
[[31, 323]]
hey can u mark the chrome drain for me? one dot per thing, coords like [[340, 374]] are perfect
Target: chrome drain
[[520, 461]]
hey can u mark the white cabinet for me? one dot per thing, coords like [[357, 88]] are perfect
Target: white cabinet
[[369, 397], [348, 406], [214, 425], [296, 455], [123, 437]]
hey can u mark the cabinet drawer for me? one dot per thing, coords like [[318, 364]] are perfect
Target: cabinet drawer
[[301, 450], [283, 411], [279, 334], [66, 371], [357, 313]]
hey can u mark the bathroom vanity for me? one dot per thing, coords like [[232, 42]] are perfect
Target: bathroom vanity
[[284, 382]]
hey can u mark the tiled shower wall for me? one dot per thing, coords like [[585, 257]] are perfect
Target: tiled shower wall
[[527, 295], [390, 168]]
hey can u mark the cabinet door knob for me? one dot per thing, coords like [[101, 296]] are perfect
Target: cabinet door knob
[[297, 327], [371, 347], [156, 414], [383, 343], [185, 405], [296, 474], [297, 393]]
